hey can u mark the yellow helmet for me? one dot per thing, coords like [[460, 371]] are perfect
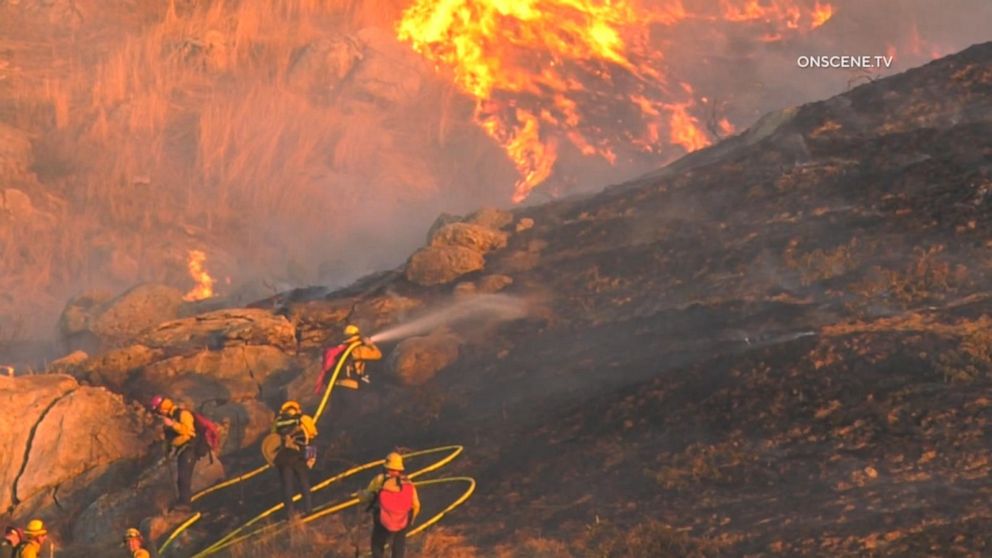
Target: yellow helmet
[[132, 533], [394, 462], [35, 528], [290, 405], [351, 330]]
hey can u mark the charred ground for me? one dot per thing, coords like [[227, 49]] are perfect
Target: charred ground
[[780, 344]]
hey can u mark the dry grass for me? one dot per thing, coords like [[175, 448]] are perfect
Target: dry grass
[[243, 124]]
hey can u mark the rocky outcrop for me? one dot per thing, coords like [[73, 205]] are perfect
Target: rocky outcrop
[[94, 321], [231, 373], [214, 330], [111, 369], [137, 310], [487, 284], [490, 218], [417, 359], [60, 440], [438, 265], [458, 246], [477, 237]]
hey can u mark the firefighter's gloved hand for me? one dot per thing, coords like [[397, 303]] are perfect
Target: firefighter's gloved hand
[[168, 421]]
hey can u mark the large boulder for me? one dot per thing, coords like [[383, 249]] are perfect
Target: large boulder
[[244, 423], [113, 368], [74, 323], [477, 237], [437, 265], [119, 506], [222, 328], [491, 218], [62, 442], [136, 311], [417, 359], [234, 373]]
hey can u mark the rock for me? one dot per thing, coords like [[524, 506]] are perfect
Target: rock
[[213, 330], [69, 362], [465, 288], [435, 265], [388, 71], [113, 369], [23, 400], [318, 67], [442, 220], [74, 323], [235, 373], [376, 312], [477, 237], [490, 218], [244, 422], [494, 283], [524, 224], [136, 311], [417, 359], [318, 322], [118, 507], [69, 441]]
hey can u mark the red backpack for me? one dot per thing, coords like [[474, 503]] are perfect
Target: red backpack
[[395, 507], [208, 431]]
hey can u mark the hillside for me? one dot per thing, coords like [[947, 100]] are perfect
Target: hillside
[[776, 346]]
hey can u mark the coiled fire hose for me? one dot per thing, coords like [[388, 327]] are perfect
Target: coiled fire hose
[[246, 530]]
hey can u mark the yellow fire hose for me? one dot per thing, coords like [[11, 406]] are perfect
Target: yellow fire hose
[[329, 509], [236, 536], [455, 451]]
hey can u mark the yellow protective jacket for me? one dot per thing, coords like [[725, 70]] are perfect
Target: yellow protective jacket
[[31, 549], [366, 351], [384, 482], [141, 553], [182, 429], [296, 431]]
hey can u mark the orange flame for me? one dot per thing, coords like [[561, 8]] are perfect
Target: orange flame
[[204, 282], [537, 69], [821, 14]]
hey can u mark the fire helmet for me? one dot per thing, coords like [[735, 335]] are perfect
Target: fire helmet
[[394, 462]]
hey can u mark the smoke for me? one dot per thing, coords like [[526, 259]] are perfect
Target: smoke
[[483, 308]]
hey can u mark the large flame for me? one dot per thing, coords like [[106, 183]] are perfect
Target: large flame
[[545, 70], [204, 288]]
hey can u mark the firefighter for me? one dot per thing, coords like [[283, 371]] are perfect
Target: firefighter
[[393, 501], [295, 454], [354, 368], [135, 543], [182, 443], [13, 537], [36, 534]]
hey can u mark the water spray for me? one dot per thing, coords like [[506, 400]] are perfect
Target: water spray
[[484, 307]]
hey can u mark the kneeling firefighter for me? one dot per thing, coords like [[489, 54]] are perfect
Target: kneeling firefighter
[[288, 448], [354, 368], [392, 499]]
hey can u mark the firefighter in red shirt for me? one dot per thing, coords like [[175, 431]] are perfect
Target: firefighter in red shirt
[[393, 500]]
